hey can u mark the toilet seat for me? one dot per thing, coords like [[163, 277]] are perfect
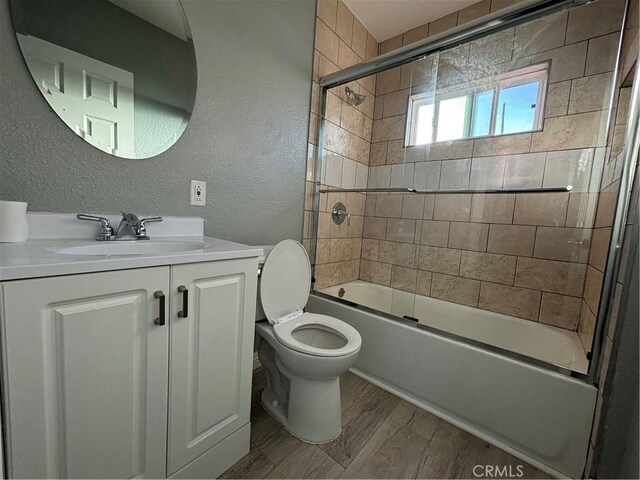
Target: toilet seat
[[284, 290], [283, 333]]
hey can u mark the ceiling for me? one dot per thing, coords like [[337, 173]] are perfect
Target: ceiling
[[166, 15], [388, 18]]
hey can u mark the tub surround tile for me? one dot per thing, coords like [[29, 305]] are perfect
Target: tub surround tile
[[389, 206], [455, 289], [455, 174], [380, 177], [374, 227], [599, 247], [370, 249], [344, 23], [390, 44], [590, 93], [560, 310], [519, 302], [592, 287], [540, 35], [524, 171], [558, 99], [586, 326], [388, 81], [547, 209], [490, 267], [378, 154], [327, 275], [560, 243], [427, 175], [602, 53], [581, 211], [404, 278], [440, 260], [407, 255], [399, 230], [387, 252], [413, 206], [415, 34], [349, 271], [567, 62], [582, 130], [450, 150], [551, 276], [594, 20], [469, 236], [327, 42], [359, 39], [443, 23], [453, 207], [493, 208], [511, 239], [502, 145], [395, 152], [375, 272], [435, 233], [487, 173], [474, 11], [423, 283]]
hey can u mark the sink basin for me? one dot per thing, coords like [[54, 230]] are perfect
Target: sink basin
[[133, 247]]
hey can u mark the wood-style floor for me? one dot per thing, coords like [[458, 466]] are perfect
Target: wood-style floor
[[382, 436]]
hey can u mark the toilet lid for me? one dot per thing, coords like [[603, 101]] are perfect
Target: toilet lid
[[285, 280]]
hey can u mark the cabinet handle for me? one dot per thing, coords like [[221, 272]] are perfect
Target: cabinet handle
[[160, 321], [184, 313]]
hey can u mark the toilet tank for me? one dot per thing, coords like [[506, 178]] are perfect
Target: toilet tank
[[260, 315]]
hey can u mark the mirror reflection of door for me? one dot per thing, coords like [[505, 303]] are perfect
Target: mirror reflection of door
[[93, 98]]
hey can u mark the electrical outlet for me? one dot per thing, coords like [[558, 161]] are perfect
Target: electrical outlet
[[198, 193]]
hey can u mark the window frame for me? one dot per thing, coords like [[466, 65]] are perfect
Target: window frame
[[521, 76]]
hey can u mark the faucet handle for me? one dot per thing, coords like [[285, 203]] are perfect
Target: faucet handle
[[106, 230], [142, 226]]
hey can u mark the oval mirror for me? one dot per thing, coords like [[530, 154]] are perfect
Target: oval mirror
[[120, 73]]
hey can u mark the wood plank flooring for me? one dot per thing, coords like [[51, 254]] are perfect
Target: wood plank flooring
[[382, 436]]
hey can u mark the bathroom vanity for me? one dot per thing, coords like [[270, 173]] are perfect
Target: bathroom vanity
[[126, 365]]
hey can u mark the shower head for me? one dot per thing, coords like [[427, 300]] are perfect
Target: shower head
[[356, 98]]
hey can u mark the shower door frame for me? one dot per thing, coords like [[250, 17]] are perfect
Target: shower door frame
[[523, 12]]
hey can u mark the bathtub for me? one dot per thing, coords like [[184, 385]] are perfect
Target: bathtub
[[541, 415], [543, 342]]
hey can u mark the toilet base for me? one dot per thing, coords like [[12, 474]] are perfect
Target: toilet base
[[314, 414]]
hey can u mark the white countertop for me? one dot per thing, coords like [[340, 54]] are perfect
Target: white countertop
[[38, 257]]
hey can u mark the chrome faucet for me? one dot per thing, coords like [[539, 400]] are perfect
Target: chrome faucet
[[130, 228]]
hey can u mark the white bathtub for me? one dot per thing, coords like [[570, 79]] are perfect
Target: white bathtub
[[537, 414], [550, 344]]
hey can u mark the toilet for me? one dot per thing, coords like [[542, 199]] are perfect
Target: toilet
[[303, 354]]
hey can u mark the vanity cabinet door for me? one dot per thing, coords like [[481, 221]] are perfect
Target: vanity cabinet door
[[211, 357], [85, 375]]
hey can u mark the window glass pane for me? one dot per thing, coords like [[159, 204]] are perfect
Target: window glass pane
[[452, 118], [517, 108], [424, 124], [481, 122]]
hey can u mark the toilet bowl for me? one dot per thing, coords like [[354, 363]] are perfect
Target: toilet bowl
[[303, 354]]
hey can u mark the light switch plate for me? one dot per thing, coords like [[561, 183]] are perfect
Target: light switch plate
[[198, 193]]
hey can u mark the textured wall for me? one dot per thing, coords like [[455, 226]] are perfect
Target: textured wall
[[247, 136]]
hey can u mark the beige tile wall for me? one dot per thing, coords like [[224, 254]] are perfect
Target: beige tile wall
[[524, 255], [341, 41]]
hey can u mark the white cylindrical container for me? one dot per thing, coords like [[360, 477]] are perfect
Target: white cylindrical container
[[13, 221]]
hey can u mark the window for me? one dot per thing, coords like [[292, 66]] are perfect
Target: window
[[512, 103]]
